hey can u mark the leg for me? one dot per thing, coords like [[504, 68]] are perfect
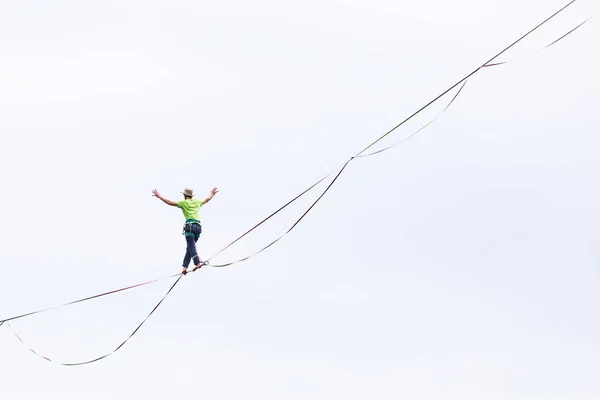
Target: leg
[[191, 253], [188, 256], [197, 260], [186, 261]]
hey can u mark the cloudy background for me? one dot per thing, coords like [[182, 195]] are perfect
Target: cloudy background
[[460, 265]]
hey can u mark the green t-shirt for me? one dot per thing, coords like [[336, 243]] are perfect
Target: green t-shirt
[[190, 208]]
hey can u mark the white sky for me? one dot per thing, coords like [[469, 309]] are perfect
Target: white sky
[[462, 265]]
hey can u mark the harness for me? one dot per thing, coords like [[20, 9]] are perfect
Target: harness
[[191, 227]]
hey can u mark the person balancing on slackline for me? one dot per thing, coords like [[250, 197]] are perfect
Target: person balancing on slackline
[[192, 228]]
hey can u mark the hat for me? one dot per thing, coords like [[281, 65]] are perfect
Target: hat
[[188, 192]]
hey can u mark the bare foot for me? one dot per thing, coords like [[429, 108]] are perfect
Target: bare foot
[[198, 266], [184, 271]]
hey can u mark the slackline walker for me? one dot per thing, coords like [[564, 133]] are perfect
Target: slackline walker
[[192, 227]]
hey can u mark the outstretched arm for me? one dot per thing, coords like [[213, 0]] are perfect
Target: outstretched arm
[[167, 201], [210, 196]]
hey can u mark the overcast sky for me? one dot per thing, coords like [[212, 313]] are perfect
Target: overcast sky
[[460, 265]]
